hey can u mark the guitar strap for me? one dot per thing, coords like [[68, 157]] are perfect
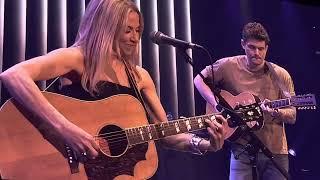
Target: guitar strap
[[276, 78], [134, 85]]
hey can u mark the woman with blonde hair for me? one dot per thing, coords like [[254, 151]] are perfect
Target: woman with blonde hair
[[95, 68]]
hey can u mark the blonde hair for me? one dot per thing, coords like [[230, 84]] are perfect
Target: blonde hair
[[98, 37]]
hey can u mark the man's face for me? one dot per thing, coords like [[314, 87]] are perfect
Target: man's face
[[255, 50]]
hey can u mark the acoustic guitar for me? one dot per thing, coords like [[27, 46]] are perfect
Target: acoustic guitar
[[238, 127], [119, 124]]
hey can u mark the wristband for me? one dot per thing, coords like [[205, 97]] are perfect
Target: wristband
[[195, 145]]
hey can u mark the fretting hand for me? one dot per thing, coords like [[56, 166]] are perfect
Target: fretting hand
[[265, 108], [216, 129]]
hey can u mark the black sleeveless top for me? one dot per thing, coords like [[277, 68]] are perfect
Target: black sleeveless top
[[105, 88]]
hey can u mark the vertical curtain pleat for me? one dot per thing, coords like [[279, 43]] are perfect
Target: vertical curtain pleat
[[36, 36], [150, 51], [57, 36], [87, 2], [14, 41], [75, 10], [184, 69], [137, 2], [57, 31], [168, 80], [172, 164], [1, 41]]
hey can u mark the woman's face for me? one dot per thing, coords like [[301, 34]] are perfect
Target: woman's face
[[129, 38]]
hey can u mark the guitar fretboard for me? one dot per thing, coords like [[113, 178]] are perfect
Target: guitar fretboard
[[279, 103], [146, 133]]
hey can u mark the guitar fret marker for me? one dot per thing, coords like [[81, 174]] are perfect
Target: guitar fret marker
[[149, 132], [188, 125], [177, 127], [141, 134], [162, 129], [200, 123]]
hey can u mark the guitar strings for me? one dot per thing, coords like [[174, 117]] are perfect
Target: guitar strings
[[118, 136], [116, 133], [138, 128], [122, 136], [163, 123]]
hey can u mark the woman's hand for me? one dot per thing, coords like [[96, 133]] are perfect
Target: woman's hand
[[216, 129], [82, 143]]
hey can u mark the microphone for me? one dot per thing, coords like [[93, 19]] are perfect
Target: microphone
[[160, 38]]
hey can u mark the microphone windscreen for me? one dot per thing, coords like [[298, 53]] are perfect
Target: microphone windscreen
[[155, 36]]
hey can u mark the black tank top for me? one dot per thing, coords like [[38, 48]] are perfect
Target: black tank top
[[105, 88]]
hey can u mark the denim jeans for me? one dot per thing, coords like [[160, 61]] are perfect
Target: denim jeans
[[241, 169]]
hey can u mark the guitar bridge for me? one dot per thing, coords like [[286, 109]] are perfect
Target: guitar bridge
[[72, 160]]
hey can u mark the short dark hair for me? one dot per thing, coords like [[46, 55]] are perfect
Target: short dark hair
[[254, 30]]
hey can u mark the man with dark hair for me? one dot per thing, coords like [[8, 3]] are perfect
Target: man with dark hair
[[255, 31], [252, 73]]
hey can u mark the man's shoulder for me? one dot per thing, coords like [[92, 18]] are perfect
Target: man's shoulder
[[281, 71], [278, 67], [231, 60]]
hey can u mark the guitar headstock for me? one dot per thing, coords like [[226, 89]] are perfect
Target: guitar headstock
[[307, 101], [242, 114], [249, 112]]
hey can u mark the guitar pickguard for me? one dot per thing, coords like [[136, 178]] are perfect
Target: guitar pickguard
[[106, 168]]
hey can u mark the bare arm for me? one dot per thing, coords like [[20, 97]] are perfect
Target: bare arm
[[181, 141], [204, 89], [288, 114], [19, 80]]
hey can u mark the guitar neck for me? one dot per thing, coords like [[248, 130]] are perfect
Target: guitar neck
[[281, 103], [150, 132]]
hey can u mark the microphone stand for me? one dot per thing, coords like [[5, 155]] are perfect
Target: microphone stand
[[254, 145], [216, 91]]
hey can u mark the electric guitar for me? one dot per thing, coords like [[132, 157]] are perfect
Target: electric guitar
[[239, 126], [119, 125]]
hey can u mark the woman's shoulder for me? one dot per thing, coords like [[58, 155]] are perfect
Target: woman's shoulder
[[70, 57], [141, 70], [68, 52], [145, 77]]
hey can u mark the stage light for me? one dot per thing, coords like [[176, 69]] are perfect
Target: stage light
[[292, 152]]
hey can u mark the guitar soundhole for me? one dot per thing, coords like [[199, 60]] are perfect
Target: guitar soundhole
[[112, 140]]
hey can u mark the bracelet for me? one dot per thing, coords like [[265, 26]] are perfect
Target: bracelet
[[195, 145]]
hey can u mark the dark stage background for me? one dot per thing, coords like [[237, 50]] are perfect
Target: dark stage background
[[294, 28]]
